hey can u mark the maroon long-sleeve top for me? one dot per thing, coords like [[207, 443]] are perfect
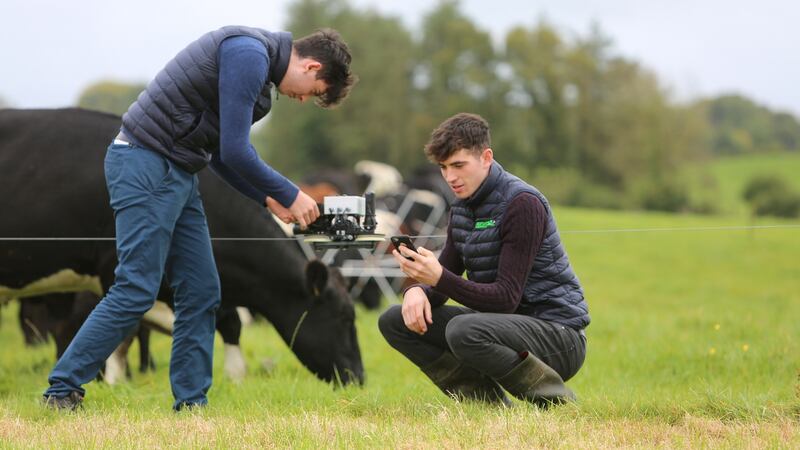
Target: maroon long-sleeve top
[[521, 232]]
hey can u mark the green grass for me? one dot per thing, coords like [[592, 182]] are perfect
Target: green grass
[[724, 179], [693, 342]]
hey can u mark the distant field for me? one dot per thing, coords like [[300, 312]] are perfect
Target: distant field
[[731, 174], [693, 342]]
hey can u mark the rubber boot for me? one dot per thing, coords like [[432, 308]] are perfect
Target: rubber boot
[[461, 382], [534, 381]]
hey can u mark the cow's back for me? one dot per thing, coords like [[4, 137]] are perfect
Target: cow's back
[[52, 186]]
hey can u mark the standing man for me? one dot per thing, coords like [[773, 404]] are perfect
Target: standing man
[[196, 112], [522, 324]]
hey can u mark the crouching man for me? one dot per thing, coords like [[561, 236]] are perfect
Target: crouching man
[[522, 324]]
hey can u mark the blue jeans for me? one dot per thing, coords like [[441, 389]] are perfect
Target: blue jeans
[[161, 229]]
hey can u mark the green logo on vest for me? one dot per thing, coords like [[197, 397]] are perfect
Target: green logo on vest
[[484, 224]]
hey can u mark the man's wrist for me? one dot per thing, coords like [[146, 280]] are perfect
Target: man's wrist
[[443, 279], [438, 275], [287, 196], [418, 285]]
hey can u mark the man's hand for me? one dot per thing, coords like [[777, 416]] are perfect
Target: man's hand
[[425, 267], [276, 208], [303, 211], [416, 310]]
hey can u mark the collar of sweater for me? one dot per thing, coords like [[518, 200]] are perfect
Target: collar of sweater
[[277, 69]]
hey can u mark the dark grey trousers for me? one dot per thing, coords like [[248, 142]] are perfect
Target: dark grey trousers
[[489, 342]]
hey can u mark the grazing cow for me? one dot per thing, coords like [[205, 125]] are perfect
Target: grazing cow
[[56, 315], [52, 186], [60, 315]]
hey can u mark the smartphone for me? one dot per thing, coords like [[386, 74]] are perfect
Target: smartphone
[[404, 240]]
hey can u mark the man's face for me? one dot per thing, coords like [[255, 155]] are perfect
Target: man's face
[[465, 170], [300, 81]]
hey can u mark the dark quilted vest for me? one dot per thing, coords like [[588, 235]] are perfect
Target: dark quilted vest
[[178, 113], [552, 291]]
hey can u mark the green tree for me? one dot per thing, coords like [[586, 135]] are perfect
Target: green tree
[[454, 69], [580, 113], [110, 96], [650, 137], [600, 127], [771, 196], [373, 123], [740, 126], [587, 63], [786, 130], [537, 103]]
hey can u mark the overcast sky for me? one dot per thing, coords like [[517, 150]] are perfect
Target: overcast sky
[[52, 49]]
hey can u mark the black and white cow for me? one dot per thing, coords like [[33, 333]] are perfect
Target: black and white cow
[[59, 316], [52, 186]]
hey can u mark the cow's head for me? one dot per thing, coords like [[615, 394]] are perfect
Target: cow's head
[[325, 340]]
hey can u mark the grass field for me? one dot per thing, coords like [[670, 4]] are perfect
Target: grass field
[[693, 342]]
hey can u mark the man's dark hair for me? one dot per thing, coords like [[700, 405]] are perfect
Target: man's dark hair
[[327, 47], [464, 130]]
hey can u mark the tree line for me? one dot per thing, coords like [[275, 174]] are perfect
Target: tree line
[[587, 125]]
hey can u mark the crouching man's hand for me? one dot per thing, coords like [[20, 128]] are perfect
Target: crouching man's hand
[[425, 267], [416, 310]]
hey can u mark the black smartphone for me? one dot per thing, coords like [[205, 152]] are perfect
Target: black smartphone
[[404, 240]]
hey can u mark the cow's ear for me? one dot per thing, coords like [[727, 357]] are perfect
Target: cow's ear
[[316, 277]]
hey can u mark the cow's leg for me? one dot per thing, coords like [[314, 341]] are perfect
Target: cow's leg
[[160, 318], [63, 337], [146, 361], [45, 315], [192, 275], [72, 311], [368, 293], [245, 316], [33, 320], [117, 363], [229, 325], [64, 331], [147, 193]]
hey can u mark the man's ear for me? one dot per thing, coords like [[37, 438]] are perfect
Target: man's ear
[[487, 157], [312, 65]]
